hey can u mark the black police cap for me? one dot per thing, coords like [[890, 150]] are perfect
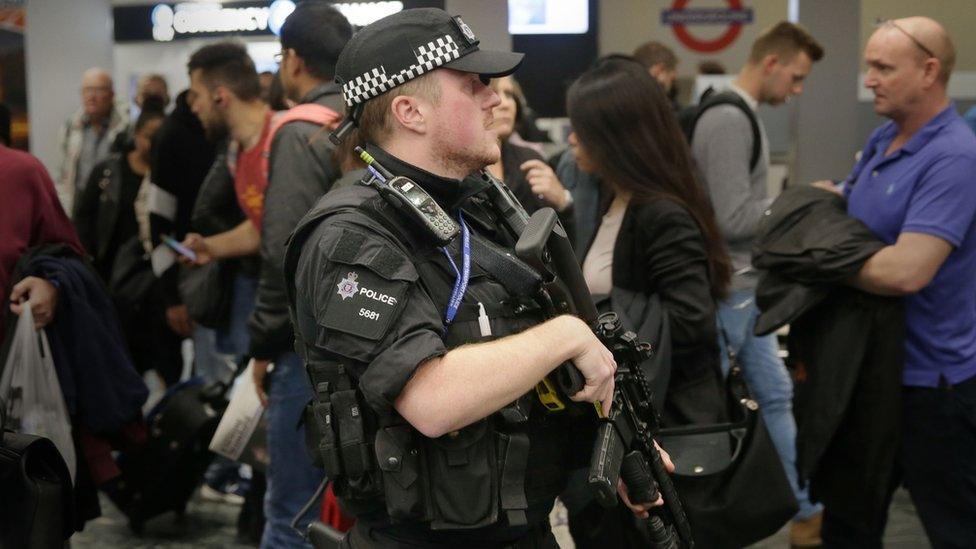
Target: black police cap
[[400, 47]]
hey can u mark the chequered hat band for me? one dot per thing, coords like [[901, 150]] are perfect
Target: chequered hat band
[[376, 81]]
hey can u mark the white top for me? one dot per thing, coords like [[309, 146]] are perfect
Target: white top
[[598, 265]]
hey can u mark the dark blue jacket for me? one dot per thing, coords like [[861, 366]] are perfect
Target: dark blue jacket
[[101, 387]]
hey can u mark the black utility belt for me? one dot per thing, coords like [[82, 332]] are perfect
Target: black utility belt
[[470, 478]]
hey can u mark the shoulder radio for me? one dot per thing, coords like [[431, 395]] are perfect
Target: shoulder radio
[[410, 198]]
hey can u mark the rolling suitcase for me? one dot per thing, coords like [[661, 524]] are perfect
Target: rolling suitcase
[[163, 475]]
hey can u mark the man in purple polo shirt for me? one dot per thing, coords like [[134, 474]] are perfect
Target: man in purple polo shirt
[[915, 187]]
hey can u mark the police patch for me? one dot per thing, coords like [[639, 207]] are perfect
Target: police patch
[[348, 286], [363, 303]]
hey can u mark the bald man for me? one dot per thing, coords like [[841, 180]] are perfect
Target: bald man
[[88, 135], [915, 188]]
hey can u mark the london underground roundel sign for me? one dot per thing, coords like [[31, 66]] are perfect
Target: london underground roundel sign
[[680, 17]]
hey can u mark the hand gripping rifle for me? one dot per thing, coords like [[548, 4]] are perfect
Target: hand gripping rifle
[[624, 447]]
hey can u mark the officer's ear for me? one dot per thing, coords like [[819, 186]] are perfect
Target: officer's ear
[[408, 111]]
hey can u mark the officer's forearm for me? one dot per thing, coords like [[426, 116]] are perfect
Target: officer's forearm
[[473, 381]]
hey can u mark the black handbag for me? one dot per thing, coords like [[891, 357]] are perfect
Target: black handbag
[[36, 501], [730, 477], [206, 291]]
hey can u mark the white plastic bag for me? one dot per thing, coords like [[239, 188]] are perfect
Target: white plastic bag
[[30, 390], [242, 432]]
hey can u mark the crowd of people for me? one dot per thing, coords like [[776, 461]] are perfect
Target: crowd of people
[[232, 219]]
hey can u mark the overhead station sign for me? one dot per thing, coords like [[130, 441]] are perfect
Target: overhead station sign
[[169, 21], [193, 18], [680, 17]]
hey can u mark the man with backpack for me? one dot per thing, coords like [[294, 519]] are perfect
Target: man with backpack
[[729, 144]]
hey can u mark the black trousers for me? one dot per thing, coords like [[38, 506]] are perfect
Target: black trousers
[[937, 465]]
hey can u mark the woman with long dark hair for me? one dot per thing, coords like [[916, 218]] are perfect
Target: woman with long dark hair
[[658, 235]]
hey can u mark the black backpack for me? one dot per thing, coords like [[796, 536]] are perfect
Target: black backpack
[[688, 117]]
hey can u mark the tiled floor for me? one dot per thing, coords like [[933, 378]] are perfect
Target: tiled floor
[[904, 529], [205, 525], [212, 525]]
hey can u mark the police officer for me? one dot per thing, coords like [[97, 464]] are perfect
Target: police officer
[[422, 361]]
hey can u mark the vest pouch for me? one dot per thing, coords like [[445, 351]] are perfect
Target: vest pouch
[[347, 415], [398, 456], [313, 435], [463, 477], [320, 438], [321, 428]]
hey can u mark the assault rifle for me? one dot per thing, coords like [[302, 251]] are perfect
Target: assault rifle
[[624, 447]]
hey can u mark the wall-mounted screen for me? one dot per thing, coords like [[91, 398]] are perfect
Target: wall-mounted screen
[[548, 16]]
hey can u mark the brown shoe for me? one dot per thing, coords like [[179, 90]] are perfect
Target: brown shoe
[[806, 533]]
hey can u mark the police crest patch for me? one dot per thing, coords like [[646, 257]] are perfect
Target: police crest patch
[[363, 303], [348, 286]]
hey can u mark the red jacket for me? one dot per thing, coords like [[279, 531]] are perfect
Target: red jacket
[[30, 214]]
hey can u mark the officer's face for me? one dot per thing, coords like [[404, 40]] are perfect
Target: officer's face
[[461, 121]]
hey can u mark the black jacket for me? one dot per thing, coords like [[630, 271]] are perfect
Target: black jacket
[[660, 250], [101, 388], [105, 219], [513, 156], [181, 157], [847, 347], [807, 245], [302, 169], [849, 352], [104, 216]]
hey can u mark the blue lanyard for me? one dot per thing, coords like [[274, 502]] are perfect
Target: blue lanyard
[[462, 275]]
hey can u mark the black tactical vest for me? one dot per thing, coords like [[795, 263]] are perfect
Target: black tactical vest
[[488, 482]]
